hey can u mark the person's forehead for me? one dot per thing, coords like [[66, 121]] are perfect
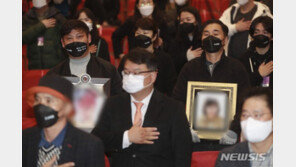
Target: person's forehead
[[142, 30], [44, 95], [76, 32], [145, 1], [259, 26], [255, 104], [83, 15], [129, 65], [213, 27], [186, 14]]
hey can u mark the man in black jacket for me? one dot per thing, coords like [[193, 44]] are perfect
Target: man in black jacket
[[213, 65], [75, 39], [144, 128], [55, 141], [258, 60]]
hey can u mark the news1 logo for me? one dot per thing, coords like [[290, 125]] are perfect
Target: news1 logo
[[242, 157]]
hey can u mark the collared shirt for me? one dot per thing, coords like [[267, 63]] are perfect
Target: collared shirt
[[56, 142], [211, 66], [266, 162], [125, 142], [78, 67]]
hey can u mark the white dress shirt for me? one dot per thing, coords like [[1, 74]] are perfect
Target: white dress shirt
[[125, 142]]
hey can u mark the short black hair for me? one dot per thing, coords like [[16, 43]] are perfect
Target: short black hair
[[266, 21], [142, 56], [146, 24], [264, 93], [70, 25], [214, 21], [210, 102]]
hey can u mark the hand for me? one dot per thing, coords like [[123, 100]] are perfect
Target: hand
[[265, 69], [49, 23], [105, 24], [229, 138], [195, 138], [53, 159], [191, 54], [121, 56], [93, 48], [140, 135], [243, 25]]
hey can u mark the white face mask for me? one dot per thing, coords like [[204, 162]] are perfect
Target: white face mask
[[256, 131], [89, 25], [180, 2], [242, 2], [146, 10], [39, 3], [133, 83]]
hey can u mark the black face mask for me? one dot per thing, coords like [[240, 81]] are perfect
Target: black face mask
[[143, 41], [261, 41], [76, 49], [45, 116], [211, 44], [186, 28]]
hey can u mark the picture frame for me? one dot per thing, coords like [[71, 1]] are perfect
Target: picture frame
[[210, 108], [89, 96]]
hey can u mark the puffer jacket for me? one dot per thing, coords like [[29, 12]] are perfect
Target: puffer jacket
[[51, 53]]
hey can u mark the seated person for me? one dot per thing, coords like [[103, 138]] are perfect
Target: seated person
[[75, 39], [258, 60], [256, 122], [186, 45], [98, 46], [55, 141], [143, 127], [210, 118], [40, 32], [213, 65], [146, 37]]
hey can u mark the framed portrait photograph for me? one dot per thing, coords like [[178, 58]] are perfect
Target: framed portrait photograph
[[89, 97], [210, 108]]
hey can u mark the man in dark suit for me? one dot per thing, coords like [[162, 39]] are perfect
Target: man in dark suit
[[144, 128], [55, 141]]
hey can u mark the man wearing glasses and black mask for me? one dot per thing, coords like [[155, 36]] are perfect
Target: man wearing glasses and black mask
[[143, 127]]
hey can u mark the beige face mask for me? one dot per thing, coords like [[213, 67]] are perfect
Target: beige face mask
[[39, 3]]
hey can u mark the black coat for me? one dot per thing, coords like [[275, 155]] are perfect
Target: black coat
[[237, 148], [103, 50], [228, 70], [252, 57], [79, 147], [172, 149], [97, 68], [128, 29], [178, 47], [166, 77]]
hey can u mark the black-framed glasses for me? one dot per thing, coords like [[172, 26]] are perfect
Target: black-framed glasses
[[136, 73]]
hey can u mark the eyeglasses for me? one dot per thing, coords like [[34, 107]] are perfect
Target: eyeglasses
[[256, 116], [136, 73]]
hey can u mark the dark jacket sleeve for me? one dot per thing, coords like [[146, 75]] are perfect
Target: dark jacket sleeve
[[180, 90], [255, 77], [181, 138], [112, 140], [116, 83], [243, 85], [30, 33], [104, 52], [118, 36], [170, 75], [96, 154]]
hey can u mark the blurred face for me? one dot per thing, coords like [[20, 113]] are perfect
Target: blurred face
[[214, 30], [145, 2], [148, 33], [212, 112], [53, 102], [257, 108], [187, 17], [83, 17], [136, 69], [260, 30]]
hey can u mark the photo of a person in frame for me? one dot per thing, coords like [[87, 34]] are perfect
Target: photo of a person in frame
[[210, 118]]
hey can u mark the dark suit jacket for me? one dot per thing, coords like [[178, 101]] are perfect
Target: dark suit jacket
[[96, 67], [83, 149], [172, 149], [237, 148]]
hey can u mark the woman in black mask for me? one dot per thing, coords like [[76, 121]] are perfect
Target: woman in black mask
[[258, 60], [146, 36], [187, 45]]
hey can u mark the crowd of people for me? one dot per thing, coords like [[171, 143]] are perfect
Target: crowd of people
[[143, 122]]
